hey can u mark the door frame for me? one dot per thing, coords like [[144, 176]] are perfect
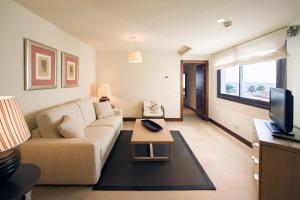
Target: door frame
[[206, 82]]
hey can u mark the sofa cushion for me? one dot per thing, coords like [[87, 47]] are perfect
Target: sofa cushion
[[103, 109], [49, 120], [106, 136], [112, 121], [87, 110], [69, 128]]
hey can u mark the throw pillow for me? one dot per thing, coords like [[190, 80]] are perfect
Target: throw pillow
[[103, 109], [69, 128]]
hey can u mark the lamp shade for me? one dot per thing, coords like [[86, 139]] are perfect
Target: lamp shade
[[104, 90], [13, 128], [135, 57]]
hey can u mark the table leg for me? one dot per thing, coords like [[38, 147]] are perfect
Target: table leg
[[151, 150]]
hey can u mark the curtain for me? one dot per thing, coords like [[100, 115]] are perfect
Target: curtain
[[265, 48], [225, 58]]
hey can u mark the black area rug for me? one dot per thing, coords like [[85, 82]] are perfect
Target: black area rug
[[184, 172]]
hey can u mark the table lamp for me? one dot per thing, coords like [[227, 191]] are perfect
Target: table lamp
[[13, 132], [104, 92]]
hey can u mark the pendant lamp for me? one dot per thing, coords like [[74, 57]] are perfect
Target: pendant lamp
[[135, 56]]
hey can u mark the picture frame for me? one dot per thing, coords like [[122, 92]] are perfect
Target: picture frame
[[69, 70], [40, 66]]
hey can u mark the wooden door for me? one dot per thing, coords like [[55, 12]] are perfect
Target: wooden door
[[200, 90]]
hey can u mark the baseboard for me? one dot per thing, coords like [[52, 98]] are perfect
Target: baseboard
[[166, 119], [233, 134], [173, 119]]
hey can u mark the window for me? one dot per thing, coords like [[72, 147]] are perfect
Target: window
[[257, 79], [230, 81], [250, 84]]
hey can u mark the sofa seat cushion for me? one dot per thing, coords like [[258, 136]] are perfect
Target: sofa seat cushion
[[112, 121], [87, 110], [49, 120], [106, 136]]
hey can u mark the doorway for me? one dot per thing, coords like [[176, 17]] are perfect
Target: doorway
[[194, 87]]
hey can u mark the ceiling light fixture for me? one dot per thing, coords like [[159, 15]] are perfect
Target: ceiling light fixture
[[135, 56], [221, 20]]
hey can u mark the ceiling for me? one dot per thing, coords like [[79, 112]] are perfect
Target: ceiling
[[165, 24]]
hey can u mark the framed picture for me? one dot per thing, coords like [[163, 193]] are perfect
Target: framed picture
[[40, 66], [70, 70]]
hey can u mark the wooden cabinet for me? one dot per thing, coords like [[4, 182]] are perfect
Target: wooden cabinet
[[278, 161]]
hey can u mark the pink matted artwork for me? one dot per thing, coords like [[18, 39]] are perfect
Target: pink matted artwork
[[70, 70], [40, 66]]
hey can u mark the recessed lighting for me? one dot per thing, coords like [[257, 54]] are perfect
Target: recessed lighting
[[221, 20]]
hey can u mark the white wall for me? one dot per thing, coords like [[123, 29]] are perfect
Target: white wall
[[293, 72], [131, 83], [234, 116], [17, 23], [190, 99]]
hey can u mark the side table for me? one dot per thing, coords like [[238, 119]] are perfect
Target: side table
[[19, 185]]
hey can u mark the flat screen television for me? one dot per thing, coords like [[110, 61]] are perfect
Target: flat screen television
[[281, 109]]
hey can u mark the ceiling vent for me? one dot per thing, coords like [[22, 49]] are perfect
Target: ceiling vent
[[184, 50]]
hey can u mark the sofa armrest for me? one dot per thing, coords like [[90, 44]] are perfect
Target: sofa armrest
[[118, 112], [64, 160]]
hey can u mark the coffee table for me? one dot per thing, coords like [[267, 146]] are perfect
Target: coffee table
[[141, 135]]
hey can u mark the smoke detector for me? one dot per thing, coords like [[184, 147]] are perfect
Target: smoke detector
[[227, 24]]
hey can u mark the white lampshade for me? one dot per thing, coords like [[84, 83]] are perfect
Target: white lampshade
[[135, 57], [13, 128], [104, 90]]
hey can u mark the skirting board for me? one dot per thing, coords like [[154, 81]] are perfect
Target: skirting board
[[233, 134], [167, 119]]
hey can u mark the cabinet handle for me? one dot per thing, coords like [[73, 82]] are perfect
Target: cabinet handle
[[256, 161], [256, 177], [255, 144]]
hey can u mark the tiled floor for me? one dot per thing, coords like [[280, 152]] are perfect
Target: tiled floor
[[227, 162]]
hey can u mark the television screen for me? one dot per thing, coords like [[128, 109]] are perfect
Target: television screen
[[277, 104], [281, 109]]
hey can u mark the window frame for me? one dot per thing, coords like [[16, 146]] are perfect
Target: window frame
[[280, 83]]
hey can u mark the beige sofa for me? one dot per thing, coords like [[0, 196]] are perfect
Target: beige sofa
[[72, 160]]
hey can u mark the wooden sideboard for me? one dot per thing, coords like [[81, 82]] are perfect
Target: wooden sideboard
[[276, 165]]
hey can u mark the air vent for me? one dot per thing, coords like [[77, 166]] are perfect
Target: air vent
[[184, 50]]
